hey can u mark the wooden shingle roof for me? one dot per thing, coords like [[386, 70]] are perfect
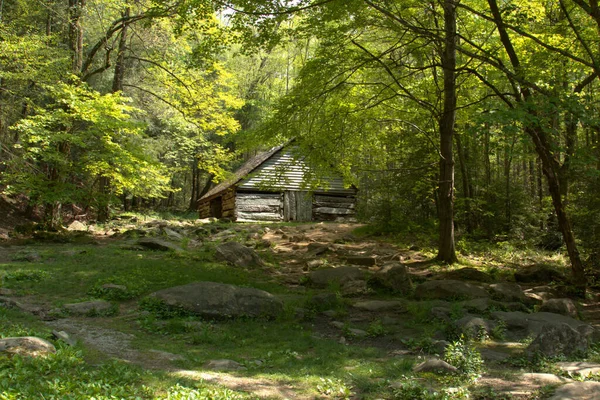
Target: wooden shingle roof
[[241, 172]]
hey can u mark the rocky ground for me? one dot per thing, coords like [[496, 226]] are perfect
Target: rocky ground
[[359, 291]]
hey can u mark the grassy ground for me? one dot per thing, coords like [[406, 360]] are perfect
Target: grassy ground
[[287, 352]]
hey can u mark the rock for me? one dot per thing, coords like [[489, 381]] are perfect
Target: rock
[[238, 255], [158, 244], [505, 291], [475, 327], [64, 336], [219, 300], [448, 290], [437, 366], [358, 332], [340, 275], [543, 379], [323, 301], [314, 264], [538, 273], [441, 313], [578, 391], [379, 305], [490, 355], [439, 346], [338, 324], [544, 293], [172, 235], [520, 325], [26, 346], [89, 308], [479, 305], [366, 261], [468, 274], [556, 340], [560, 306], [579, 367], [353, 288], [223, 365], [394, 276], [77, 226]]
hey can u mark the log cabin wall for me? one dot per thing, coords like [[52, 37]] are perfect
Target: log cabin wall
[[332, 208], [256, 206], [228, 204]]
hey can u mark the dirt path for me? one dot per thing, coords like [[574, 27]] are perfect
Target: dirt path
[[117, 345]]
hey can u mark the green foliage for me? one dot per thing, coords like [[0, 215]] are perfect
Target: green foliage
[[22, 275], [160, 309], [376, 328], [334, 388], [131, 290], [79, 136], [464, 356]]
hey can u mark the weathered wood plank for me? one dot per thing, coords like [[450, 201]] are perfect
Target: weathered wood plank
[[255, 196], [303, 206], [259, 202], [334, 205], [259, 216], [334, 211], [258, 208]]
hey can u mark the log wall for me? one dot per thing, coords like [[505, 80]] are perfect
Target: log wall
[[332, 208], [258, 207]]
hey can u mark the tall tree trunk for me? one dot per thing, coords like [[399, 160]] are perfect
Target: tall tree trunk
[[446, 250], [76, 34], [544, 148]]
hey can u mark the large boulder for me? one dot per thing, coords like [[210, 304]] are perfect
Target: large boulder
[[468, 274], [560, 306], [475, 327], [238, 255], [448, 290], [538, 273], [505, 291], [559, 339], [219, 300], [520, 325], [89, 308], [578, 391], [26, 346], [394, 276], [340, 275]]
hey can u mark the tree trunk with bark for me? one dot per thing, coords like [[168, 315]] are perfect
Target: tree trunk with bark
[[446, 250]]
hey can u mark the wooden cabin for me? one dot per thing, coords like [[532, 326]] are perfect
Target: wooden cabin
[[274, 186]]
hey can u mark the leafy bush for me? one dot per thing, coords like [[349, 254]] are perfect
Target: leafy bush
[[463, 355], [334, 388]]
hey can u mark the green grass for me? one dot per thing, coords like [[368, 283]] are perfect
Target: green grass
[[65, 276], [289, 351]]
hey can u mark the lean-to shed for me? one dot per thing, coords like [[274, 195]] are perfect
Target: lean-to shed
[[273, 186]]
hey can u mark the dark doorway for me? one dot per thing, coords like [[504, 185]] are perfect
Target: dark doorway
[[216, 207]]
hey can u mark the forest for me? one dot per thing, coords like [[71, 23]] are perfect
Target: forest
[[474, 118], [470, 130]]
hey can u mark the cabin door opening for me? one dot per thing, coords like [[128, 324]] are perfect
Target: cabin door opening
[[216, 207], [297, 206]]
